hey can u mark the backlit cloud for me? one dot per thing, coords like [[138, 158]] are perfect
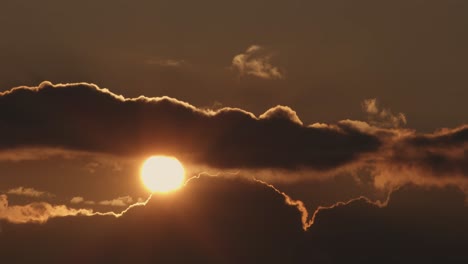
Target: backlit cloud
[[382, 117], [38, 212], [256, 61], [120, 201], [79, 199], [225, 138], [237, 208]]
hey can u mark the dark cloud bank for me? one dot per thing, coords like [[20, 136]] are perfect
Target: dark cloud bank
[[84, 117], [87, 118], [218, 220], [215, 220]]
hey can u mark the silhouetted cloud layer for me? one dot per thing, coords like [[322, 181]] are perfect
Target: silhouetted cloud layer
[[84, 117], [216, 220], [72, 119], [440, 158], [418, 225], [442, 153]]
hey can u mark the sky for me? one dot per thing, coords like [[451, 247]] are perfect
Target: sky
[[309, 131]]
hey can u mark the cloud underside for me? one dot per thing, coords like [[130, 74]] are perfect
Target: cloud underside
[[83, 117], [72, 118], [216, 219]]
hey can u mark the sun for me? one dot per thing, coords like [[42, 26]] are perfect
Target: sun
[[162, 174]]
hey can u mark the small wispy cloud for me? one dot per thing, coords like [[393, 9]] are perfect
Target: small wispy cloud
[[165, 62], [382, 117], [120, 201], [29, 192], [256, 61], [79, 199]]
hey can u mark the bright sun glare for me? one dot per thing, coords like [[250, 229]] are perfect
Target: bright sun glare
[[162, 174]]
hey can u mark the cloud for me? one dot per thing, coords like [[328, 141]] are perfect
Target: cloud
[[213, 219], [307, 218], [38, 212], [38, 153], [382, 117], [53, 117], [120, 201], [166, 62], [281, 112], [440, 158], [41, 212], [29, 192], [406, 156], [256, 61], [210, 220], [79, 199], [417, 224]]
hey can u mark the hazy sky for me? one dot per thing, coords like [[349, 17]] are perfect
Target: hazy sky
[[310, 131], [410, 55]]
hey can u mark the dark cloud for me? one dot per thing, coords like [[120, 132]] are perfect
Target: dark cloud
[[444, 138], [71, 119], [418, 225], [443, 153], [86, 118], [212, 220], [216, 220]]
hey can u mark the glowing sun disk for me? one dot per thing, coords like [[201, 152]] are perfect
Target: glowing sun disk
[[162, 174]]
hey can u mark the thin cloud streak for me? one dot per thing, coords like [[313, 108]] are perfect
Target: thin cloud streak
[[29, 192]]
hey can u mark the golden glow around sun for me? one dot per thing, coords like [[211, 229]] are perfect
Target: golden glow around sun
[[162, 174]]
